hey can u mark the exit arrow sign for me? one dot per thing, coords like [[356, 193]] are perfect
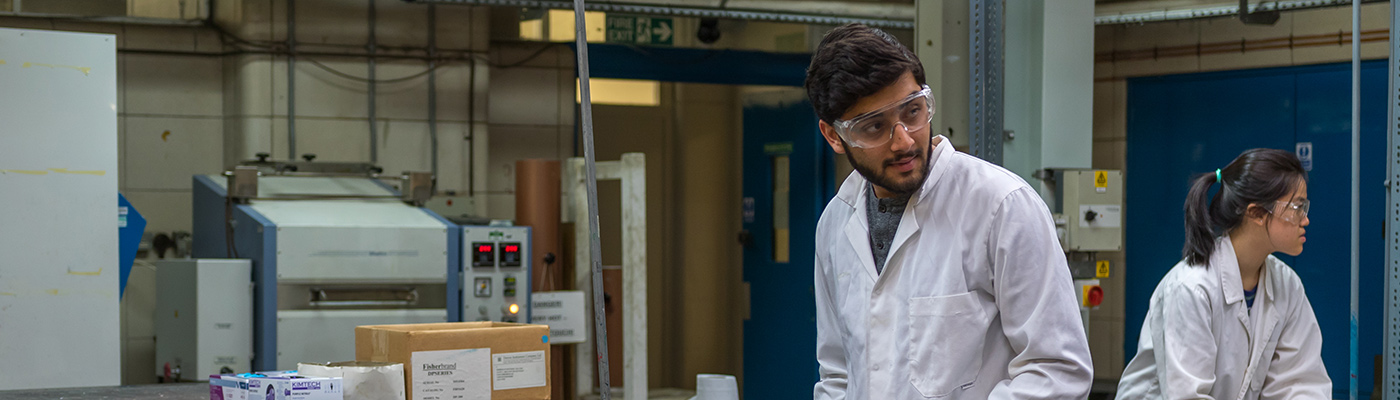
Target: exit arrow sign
[[633, 29]]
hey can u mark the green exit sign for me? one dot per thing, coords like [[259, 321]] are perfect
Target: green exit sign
[[633, 29]]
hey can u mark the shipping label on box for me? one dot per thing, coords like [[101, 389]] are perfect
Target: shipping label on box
[[518, 370], [452, 374]]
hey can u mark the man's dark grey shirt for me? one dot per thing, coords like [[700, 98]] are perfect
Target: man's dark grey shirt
[[884, 216]]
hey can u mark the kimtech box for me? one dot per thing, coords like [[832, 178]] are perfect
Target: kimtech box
[[295, 388], [473, 360], [235, 386]]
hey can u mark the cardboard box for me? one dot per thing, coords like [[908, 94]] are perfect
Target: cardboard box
[[235, 387], [488, 360], [227, 388], [295, 388]]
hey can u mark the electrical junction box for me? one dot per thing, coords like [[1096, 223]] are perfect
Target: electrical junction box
[[496, 273], [204, 318], [1089, 209]]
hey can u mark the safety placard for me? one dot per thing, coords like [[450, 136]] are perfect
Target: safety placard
[[1100, 181], [1101, 269], [636, 29], [564, 312], [1304, 150]]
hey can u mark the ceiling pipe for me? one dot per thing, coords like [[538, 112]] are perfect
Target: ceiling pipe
[[891, 16], [1213, 11]]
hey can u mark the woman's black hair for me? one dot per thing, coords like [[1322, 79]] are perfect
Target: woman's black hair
[[1258, 176]]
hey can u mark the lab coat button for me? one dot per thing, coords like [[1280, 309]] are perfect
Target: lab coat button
[[877, 367]]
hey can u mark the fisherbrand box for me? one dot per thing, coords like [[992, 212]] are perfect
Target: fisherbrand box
[[472, 360]]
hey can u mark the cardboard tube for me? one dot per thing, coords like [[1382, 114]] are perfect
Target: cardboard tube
[[537, 202], [537, 205]]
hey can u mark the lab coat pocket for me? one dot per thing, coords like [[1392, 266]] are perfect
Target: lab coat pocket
[[945, 343]]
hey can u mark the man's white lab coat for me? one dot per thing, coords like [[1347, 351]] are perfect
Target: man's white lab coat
[[1200, 340], [975, 300]]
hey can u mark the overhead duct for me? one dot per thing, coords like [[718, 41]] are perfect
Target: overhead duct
[[1160, 14], [890, 16], [1258, 16]]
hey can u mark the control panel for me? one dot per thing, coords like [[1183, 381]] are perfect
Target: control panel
[[1089, 210], [496, 273]]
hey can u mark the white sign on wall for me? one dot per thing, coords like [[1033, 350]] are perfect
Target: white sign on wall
[[563, 311], [1304, 151]]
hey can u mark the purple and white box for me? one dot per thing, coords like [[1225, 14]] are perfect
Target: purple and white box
[[295, 388], [235, 387], [227, 387]]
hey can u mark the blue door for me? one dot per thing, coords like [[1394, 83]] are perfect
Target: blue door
[[787, 182], [1189, 124]]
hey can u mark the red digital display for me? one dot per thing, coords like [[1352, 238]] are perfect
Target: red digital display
[[484, 249], [512, 249]]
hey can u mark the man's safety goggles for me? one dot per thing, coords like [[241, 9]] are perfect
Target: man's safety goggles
[[876, 128]]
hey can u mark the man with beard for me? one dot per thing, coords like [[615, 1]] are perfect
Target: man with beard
[[938, 275]]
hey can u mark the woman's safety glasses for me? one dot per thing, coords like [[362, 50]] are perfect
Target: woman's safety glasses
[[1292, 211], [875, 128]]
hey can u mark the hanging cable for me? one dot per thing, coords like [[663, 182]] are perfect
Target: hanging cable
[[333, 71]]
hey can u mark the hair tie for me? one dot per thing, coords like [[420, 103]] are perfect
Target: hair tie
[[1217, 177]]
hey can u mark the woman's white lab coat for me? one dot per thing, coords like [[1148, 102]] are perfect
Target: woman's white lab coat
[[1201, 341], [975, 300]]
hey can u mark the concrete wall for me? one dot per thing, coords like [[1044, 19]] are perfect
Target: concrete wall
[[1126, 51]]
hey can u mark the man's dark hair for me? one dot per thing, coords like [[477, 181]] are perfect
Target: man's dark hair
[[854, 61]]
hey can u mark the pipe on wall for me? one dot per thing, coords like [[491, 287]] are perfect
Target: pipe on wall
[[432, 91], [291, 80], [373, 116]]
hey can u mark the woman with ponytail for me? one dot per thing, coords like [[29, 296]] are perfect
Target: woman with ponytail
[[1230, 321]]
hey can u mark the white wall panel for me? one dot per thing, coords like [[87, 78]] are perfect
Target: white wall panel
[[59, 312]]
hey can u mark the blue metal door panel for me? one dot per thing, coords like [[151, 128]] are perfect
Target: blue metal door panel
[[1324, 120], [780, 334], [1183, 125]]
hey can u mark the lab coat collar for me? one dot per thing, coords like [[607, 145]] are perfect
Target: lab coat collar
[[909, 222], [1227, 267], [1267, 276], [857, 232], [853, 192]]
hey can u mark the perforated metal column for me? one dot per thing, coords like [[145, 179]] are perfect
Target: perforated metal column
[[985, 105], [1392, 282]]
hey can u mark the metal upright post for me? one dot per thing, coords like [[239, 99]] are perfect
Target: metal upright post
[[1391, 346], [985, 103], [1355, 180], [600, 335]]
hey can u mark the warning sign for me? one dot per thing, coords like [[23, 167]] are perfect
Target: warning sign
[[1101, 269], [1100, 179]]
